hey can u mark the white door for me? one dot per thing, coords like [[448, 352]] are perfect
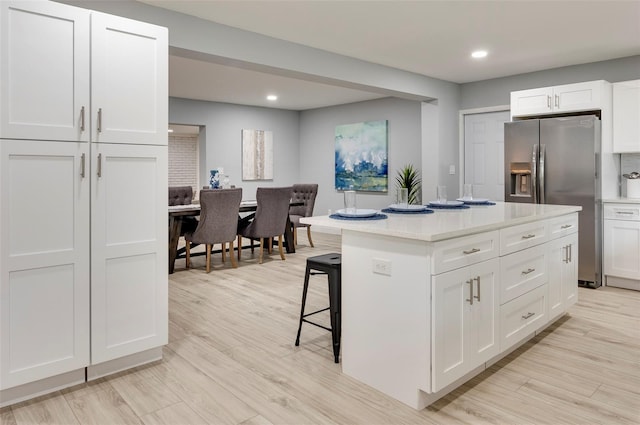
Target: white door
[[129, 81], [44, 71], [128, 250], [484, 153], [44, 259]]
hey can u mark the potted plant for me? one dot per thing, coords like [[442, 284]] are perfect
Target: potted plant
[[409, 177]]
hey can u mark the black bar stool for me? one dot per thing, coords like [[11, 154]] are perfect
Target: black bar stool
[[331, 265]]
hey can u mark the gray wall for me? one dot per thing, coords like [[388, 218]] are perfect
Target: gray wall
[[317, 146], [224, 123], [497, 91]]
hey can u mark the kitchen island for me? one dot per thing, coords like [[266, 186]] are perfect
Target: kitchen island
[[429, 301]]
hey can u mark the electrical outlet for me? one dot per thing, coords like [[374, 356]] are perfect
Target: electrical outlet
[[452, 169], [382, 266]]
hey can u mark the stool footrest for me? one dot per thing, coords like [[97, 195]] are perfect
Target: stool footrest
[[316, 324], [316, 312]]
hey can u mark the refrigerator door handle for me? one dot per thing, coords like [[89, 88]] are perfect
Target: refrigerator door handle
[[534, 173], [543, 149]]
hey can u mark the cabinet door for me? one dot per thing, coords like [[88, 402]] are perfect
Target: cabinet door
[[531, 102], [129, 64], [44, 71], [128, 250], [626, 116], [44, 260], [563, 274], [622, 248], [464, 326], [578, 97]]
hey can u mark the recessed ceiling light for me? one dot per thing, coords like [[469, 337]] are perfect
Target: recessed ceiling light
[[479, 54], [272, 97]]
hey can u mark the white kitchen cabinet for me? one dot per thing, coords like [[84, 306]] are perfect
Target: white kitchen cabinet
[[44, 71], [109, 82], [465, 324], [558, 99], [626, 116], [523, 316], [83, 228], [44, 259], [563, 274], [128, 250], [622, 241]]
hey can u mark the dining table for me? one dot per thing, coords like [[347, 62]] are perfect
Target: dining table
[[177, 213]]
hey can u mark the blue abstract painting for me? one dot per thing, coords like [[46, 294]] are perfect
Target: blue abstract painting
[[361, 156]]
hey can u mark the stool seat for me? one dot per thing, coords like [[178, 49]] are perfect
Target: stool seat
[[331, 265]]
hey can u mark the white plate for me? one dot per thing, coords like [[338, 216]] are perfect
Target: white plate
[[474, 200], [398, 207], [447, 203], [361, 212]]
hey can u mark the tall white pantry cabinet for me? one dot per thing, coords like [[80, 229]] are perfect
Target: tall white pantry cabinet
[[83, 184]]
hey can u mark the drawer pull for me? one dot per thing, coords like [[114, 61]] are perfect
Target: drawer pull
[[624, 212], [528, 271], [566, 226], [471, 251], [529, 236], [528, 315]]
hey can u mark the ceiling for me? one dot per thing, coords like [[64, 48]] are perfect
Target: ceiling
[[433, 38]]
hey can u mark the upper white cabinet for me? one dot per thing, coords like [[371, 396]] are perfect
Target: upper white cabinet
[[76, 75], [44, 71], [129, 89], [558, 99], [626, 116]]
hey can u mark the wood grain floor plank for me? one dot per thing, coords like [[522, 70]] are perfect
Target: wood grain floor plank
[[177, 414], [6, 416], [103, 407], [45, 410]]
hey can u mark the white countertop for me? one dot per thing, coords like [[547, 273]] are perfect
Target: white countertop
[[447, 224], [621, 201]]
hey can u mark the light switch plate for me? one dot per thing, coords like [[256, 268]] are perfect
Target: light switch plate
[[381, 266]]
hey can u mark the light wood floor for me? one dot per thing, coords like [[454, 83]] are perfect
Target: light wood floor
[[231, 360]]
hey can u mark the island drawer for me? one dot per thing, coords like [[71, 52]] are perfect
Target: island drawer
[[523, 236], [459, 252], [522, 271], [562, 226], [522, 316]]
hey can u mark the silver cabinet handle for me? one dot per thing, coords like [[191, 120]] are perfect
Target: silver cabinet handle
[[565, 254], [570, 249], [470, 299], [82, 120], [529, 236], [566, 226], [557, 101], [528, 315], [624, 212], [100, 120], [471, 251], [99, 165], [478, 280], [549, 102], [528, 271], [82, 163]]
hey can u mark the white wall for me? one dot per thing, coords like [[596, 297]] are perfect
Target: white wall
[[223, 124], [317, 146]]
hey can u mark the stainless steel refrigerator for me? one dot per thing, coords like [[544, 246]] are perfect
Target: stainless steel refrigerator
[[556, 161]]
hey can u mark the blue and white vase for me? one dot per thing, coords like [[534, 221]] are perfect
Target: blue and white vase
[[214, 180]]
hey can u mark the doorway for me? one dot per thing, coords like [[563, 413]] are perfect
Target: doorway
[[184, 157], [484, 152]]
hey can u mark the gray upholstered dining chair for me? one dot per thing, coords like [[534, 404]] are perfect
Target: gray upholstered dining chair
[[183, 195], [305, 193], [218, 222], [270, 219]]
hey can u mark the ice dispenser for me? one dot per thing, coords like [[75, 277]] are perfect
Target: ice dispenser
[[521, 184]]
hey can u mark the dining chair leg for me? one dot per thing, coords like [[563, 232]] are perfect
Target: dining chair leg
[[280, 246], [187, 251], [233, 258], [208, 258], [224, 255], [309, 236], [270, 246], [294, 229], [261, 250], [239, 246]]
